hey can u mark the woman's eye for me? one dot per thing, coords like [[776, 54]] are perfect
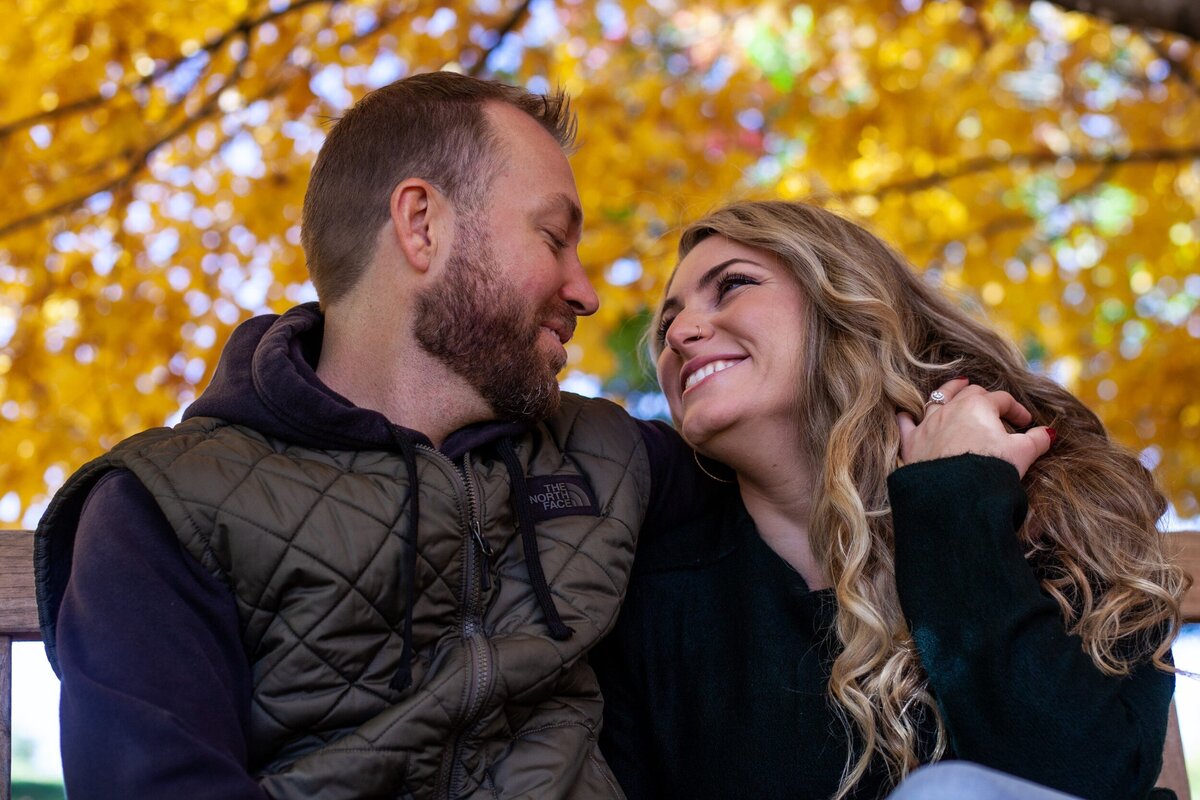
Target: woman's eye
[[664, 325], [732, 280]]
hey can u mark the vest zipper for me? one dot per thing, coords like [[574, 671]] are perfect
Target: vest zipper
[[486, 553], [477, 568]]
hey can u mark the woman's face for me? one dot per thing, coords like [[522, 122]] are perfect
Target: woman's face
[[731, 330]]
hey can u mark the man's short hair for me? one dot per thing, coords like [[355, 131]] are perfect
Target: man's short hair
[[429, 126]]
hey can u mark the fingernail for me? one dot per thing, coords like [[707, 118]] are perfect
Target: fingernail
[[1053, 434], [960, 378]]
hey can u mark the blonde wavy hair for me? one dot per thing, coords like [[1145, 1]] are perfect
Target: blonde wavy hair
[[879, 339]]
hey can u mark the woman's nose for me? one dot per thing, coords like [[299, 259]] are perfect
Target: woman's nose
[[684, 330]]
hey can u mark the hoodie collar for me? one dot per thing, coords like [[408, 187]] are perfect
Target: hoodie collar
[[266, 379]]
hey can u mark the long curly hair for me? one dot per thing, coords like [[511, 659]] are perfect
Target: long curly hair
[[878, 339]]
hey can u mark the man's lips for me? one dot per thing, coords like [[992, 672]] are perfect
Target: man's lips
[[561, 326], [702, 367]]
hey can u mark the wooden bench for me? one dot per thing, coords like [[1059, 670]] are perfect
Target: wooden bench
[[19, 623], [1174, 772]]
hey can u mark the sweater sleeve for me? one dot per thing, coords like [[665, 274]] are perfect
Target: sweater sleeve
[[1015, 691], [155, 684]]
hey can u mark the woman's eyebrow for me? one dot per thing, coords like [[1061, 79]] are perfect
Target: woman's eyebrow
[[710, 275]]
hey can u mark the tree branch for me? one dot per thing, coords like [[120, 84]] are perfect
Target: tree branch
[[1179, 16], [1015, 221], [986, 163], [244, 27], [1179, 68], [136, 162], [508, 27]]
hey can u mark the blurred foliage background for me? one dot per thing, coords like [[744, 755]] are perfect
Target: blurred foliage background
[[1042, 162]]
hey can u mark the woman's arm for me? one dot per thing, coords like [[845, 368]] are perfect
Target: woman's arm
[[1016, 692]]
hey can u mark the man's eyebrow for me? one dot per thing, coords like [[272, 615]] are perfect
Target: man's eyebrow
[[561, 203], [710, 275]]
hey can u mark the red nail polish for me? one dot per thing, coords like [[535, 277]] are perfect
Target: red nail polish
[[960, 378], [1053, 434]]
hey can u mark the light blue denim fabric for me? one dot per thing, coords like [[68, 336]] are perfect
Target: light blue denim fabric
[[962, 780]]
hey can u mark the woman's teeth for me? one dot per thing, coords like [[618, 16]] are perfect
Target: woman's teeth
[[711, 368]]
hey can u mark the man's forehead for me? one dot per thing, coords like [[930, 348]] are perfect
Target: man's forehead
[[509, 121]]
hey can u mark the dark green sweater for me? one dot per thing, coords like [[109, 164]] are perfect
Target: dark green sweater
[[715, 677]]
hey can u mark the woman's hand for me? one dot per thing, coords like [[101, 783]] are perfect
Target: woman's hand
[[972, 421]]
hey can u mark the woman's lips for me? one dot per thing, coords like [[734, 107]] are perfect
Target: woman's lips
[[708, 369]]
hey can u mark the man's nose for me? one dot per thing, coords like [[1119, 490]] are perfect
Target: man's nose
[[577, 289]]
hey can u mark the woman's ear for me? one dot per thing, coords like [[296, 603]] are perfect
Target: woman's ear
[[415, 207]]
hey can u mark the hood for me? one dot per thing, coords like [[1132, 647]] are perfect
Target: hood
[[267, 380]]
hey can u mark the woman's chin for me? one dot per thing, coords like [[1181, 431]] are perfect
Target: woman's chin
[[700, 429]]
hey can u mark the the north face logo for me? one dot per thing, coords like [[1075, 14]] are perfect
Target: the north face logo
[[553, 496]]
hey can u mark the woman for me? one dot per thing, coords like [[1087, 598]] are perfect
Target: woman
[[829, 622]]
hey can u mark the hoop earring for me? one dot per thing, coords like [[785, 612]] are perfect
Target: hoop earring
[[696, 458]]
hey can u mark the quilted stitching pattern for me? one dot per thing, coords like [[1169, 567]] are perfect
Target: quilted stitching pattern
[[313, 543]]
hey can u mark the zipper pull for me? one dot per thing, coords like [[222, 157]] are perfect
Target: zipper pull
[[485, 565]]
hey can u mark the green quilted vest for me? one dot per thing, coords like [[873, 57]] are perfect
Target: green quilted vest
[[312, 544]]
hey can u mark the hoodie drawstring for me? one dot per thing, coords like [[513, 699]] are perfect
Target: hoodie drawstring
[[537, 576], [403, 677]]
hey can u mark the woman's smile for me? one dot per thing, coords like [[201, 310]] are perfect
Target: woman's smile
[[701, 368]]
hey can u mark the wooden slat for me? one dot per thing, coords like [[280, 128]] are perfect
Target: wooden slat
[[18, 607], [1186, 545], [1187, 548], [5, 718], [1174, 770], [18, 622]]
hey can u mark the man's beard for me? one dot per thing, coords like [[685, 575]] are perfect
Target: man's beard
[[476, 323]]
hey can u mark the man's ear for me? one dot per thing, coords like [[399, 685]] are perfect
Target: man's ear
[[416, 215]]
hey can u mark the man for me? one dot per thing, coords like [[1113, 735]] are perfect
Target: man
[[370, 560]]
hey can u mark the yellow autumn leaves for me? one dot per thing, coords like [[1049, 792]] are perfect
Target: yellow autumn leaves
[[1045, 164]]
